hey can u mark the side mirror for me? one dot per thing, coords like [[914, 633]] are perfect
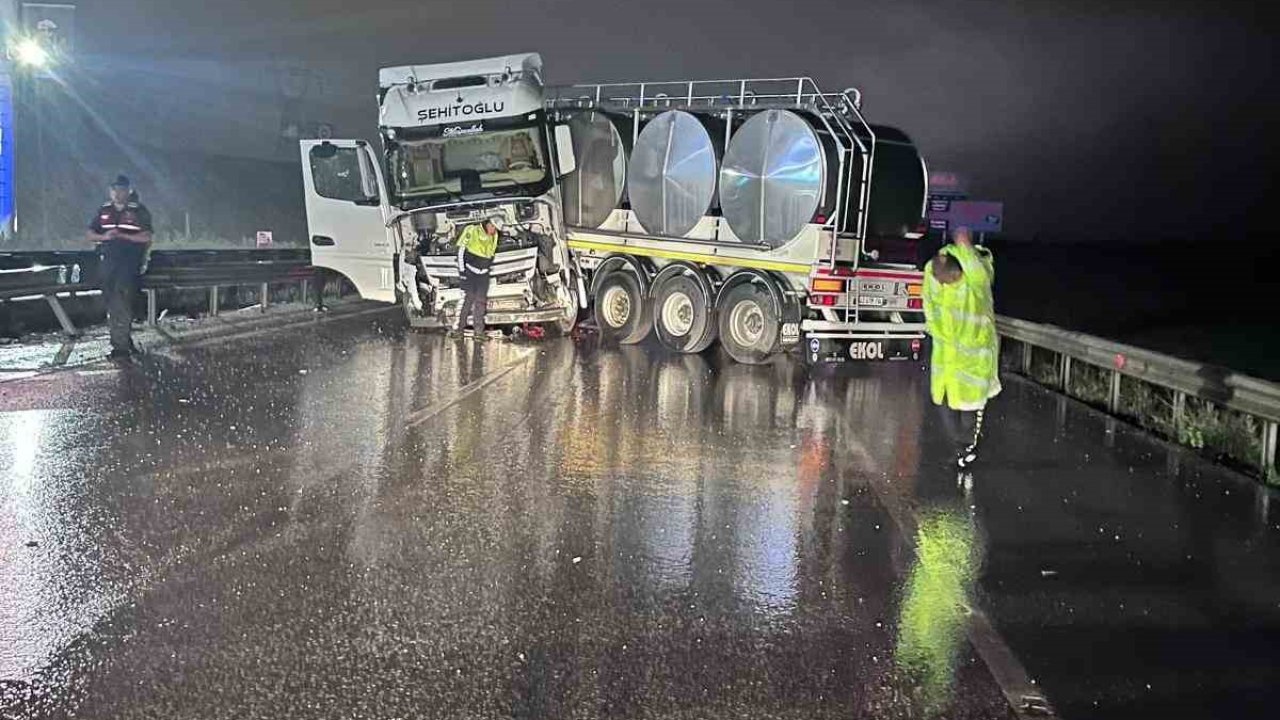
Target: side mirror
[[565, 158]]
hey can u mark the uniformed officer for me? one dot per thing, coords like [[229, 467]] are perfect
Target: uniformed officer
[[122, 230], [477, 244]]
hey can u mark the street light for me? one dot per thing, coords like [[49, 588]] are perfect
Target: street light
[[31, 53]]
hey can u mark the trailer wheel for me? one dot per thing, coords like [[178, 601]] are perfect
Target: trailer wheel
[[621, 312], [749, 325], [682, 315]]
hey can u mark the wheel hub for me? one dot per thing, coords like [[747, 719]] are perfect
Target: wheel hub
[[746, 323], [678, 314], [616, 307]]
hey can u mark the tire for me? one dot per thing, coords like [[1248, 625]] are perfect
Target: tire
[[621, 311], [682, 316], [750, 330]]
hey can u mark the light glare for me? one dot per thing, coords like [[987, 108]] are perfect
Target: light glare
[[31, 53]]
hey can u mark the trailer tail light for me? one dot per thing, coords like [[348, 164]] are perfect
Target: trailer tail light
[[827, 285], [915, 290], [915, 303], [824, 300]]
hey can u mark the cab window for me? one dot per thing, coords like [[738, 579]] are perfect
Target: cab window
[[341, 174]]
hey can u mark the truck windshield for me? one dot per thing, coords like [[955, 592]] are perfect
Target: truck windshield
[[462, 164]]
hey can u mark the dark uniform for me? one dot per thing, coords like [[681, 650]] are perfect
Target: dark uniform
[[122, 261]]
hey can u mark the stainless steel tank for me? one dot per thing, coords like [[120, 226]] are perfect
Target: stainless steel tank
[[773, 178], [897, 186], [595, 188], [671, 181]]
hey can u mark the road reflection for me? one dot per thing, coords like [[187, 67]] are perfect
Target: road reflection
[[933, 616], [548, 530]]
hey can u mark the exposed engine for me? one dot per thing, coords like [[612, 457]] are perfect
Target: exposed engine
[[526, 273]]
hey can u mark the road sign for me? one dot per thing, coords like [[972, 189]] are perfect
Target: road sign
[[947, 183], [264, 238], [978, 216]]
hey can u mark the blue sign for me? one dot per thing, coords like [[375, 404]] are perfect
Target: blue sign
[[6, 153]]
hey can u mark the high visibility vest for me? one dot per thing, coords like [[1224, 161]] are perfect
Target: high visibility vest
[[961, 319], [478, 242], [476, 249]]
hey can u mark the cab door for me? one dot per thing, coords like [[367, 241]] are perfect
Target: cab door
[[347, 212]]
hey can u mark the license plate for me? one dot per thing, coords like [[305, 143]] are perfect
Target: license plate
[[505, 305], [872, 286], [871, 301]]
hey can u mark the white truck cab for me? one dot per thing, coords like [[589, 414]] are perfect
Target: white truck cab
[[460, 142]]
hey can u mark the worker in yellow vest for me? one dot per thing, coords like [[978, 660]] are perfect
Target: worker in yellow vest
[[477, 244], [960, 318]]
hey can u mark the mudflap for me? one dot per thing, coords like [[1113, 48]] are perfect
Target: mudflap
[[842, 350]]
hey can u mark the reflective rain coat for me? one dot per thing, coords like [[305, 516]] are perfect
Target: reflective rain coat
[[960, 317]]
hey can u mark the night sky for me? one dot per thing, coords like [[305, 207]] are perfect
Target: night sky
[[1116, 121]]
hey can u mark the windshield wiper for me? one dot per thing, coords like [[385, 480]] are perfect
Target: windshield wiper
[[426, 195]]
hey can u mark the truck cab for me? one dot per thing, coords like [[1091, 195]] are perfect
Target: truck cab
[[459, 142]]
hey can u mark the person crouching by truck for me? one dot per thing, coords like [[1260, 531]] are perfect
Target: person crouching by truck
[[960, 317], [477, 244], [122, 231]]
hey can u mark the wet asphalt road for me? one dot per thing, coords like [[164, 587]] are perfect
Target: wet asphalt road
[[354, 521]]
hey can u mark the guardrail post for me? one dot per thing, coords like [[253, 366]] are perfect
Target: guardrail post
[[213, 300], [63, 319], [1113, 398], [1179, 409], [1270, 431], [304, 287], [266, 296], [151, 306], [1026, 358], [1065, 378]]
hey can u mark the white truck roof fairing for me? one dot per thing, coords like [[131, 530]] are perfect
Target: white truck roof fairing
[[512, 86]]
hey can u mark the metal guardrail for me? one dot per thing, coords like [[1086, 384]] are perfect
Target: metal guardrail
[[56, 275], [1224, 388]]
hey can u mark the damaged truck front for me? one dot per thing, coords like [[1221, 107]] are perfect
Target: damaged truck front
[[460, 142]]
